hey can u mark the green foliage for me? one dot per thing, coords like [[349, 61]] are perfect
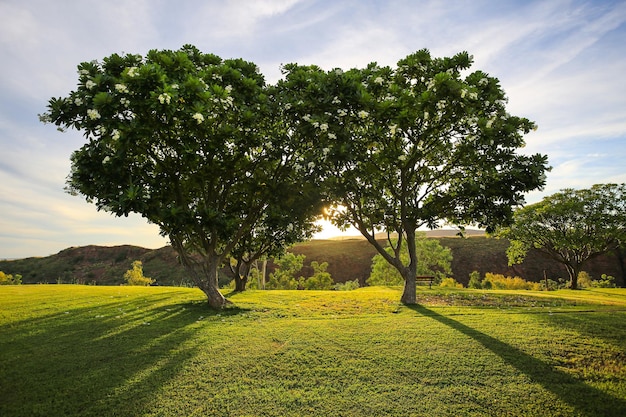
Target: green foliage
[[475, 280], [10, 279], [434, 260], [135, 275], [570, 226], [500, 282], [586, 281], [284, 277], [407, 146], [320, 280], [347, 286], [450, 283]]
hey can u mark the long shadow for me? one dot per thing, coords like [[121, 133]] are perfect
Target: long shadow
[[98, 360], [585, 399]]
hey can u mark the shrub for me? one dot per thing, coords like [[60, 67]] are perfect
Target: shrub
[[584, 280], [283, 278], [606, 281], [346, 286], [500, 282], [321, 280], [135, 276], [8, 279], [475, 280], [450, 283]]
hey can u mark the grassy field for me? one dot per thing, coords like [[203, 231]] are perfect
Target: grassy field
[[70, 350]]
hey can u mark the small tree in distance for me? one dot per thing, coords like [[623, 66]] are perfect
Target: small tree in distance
[[571, 227], [135, 275]]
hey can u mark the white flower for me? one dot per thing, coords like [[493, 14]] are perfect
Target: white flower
[[198, 117], [325, 151], [392, 129], [489, 123], [336, 100], [311, 165], [483, 81], [83, 72], [426, 115], [324, 127], [338, 71], [363, 114], [124, 101], [463, 92], [78, 101], [287, 106], [228, 88], [93, 114], [164, 98], [121, 88], [132, 72], [115, 135], [174, 86], [342, 112], [90, 84], [332, 136], [306, 117], [379, 80], [402, 158], [106, 159], [473, 95]]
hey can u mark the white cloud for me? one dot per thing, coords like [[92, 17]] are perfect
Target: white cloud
[[561, 63]]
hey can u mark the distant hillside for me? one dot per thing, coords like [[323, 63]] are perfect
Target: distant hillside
[[348, 259]]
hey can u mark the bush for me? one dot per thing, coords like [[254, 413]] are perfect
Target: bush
[[475, 280], [347, 286], [584, 280], [606, 281], [283, 278], [135, 276], [321, 280], [450, 283], [8, 279], [500, 282]]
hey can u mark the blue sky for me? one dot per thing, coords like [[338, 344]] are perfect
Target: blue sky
[[562, 64]]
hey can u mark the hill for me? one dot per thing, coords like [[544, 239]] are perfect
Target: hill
[[348, 259]]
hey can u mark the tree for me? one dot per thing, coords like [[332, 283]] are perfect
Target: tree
[[135, 275], [189, 141], [412, 146], [570, 227], [435, 260], [284, 277], [9, 279], [320, 280]]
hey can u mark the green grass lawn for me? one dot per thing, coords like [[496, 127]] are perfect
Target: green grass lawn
[[158, 351]]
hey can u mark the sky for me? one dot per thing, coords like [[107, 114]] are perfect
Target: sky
[[562, 64]]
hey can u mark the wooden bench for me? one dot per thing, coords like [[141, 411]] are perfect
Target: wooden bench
[[424, 279]]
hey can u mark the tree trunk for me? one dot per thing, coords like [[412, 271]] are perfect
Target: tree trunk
[[409, 295], [241, 275], [409, 273], [573, 271]]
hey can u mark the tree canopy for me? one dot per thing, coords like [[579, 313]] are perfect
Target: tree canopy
[[411, 146], [188, 140], [571, 226], [214, 156]]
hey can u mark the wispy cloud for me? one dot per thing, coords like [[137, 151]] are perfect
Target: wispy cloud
[[561, 63]]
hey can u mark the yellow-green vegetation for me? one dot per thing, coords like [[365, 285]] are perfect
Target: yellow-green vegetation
[[159, 351], [10, 279], [135, 275]]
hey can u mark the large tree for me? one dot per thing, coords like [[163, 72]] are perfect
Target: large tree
[[412, 146], [571, 227], [189, 141]]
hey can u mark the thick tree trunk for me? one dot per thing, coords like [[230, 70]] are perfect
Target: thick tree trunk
[[241, 276], [573, 271], [410, 289], [409, 274]]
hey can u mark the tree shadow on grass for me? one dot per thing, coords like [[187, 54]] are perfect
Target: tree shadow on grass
[[585, 399], [100, 360]]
